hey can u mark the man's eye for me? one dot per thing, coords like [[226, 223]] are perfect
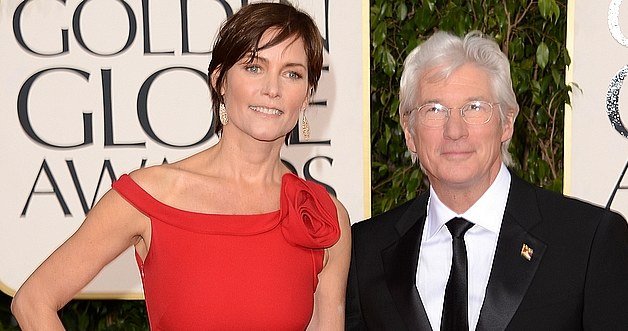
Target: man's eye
[[475, 107], [435, 109]]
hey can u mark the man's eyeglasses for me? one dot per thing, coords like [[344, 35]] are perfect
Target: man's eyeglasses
[[436, 115]]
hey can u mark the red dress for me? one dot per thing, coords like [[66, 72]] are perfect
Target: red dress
[[235, 272]]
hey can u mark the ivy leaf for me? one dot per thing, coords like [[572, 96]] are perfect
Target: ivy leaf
[[383, 11], [402, 11], [549, 9], [542, 55], [379, 34], [388, 62]]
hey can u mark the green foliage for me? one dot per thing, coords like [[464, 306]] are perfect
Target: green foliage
[[6, 321], [531, 33], [105, 315], [89, 315]]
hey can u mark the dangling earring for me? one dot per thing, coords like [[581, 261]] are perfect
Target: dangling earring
[[222, 112], [305, 127]]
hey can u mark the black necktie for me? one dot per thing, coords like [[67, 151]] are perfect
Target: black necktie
[[455, 305]]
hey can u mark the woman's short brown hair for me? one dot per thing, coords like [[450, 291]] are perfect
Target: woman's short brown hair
[[240, 34]]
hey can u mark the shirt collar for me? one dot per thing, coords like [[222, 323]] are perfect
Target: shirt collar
[[487, 212]]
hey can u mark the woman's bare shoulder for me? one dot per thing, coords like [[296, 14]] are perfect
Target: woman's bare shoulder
[[156, 179], [343, 215]]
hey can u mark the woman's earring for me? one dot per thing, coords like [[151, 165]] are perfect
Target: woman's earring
[[222, 112], [305, 127]]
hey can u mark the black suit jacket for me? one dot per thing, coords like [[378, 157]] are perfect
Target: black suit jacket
[[577, 277]]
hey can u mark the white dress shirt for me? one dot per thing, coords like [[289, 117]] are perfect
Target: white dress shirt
[[481, 241]]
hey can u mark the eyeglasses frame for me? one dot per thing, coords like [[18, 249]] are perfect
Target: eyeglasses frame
[[450, 109]]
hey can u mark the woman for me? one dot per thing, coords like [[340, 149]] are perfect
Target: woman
[[227, 239]]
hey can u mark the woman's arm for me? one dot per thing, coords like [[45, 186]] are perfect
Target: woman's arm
[[329, 298], [110, 228]]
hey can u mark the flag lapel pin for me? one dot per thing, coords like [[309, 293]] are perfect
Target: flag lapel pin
[[526, 252]]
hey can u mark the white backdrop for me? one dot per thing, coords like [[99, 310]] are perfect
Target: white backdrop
[[93, 89], [596, 140]]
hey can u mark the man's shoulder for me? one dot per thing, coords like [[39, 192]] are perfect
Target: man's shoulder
[[559, 205], [389, 218]]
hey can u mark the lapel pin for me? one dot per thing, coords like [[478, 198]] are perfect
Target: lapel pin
[[526, 252]]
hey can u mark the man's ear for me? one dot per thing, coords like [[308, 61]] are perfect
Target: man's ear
[[407, 134], [508, 127]]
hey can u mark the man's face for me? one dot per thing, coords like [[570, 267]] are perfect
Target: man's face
[[458, 155]]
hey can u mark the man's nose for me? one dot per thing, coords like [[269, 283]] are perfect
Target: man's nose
[[455, 127]]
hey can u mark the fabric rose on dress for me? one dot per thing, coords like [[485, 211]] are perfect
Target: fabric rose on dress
[[308, 215]]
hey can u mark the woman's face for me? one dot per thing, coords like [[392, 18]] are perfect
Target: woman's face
[[263, 97]]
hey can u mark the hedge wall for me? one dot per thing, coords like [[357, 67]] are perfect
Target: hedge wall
[[531, 33]]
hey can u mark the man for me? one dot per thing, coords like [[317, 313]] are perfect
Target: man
[[530, 259]]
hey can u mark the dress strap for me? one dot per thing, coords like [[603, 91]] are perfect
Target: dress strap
[[136, 196]]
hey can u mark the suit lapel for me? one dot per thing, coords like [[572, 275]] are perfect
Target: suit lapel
[[400, 261], [512, 272]]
